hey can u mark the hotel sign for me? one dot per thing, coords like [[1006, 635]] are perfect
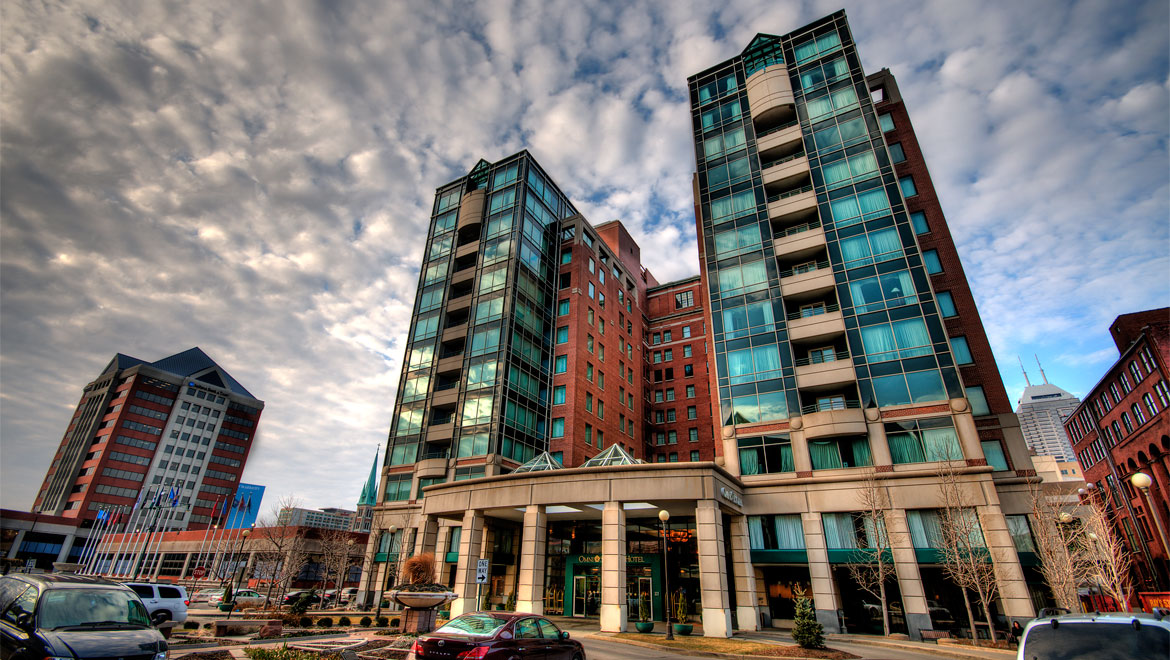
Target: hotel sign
[[730, 496], [596, 559]]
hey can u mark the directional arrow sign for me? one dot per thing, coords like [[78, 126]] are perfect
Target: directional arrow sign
[[481, 571]]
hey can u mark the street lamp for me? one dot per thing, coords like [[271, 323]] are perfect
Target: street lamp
[[386, 578], [239, 550], [664, 515], [1142, 481]]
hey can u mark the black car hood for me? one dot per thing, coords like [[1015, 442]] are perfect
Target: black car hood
[[123, 643]]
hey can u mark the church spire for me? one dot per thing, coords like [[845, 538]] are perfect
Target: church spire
[[369, 496]]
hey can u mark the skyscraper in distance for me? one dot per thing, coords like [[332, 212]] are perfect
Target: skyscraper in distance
[[1043, 411]]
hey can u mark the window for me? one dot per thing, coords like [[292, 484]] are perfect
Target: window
[[666, 336], [839, 453], [918, 441], [558, 394], [687, 298], [946, 304], [907, 185], [692, 435], [744, 278], [672, 436], [993, 452], [896, 153], [961, 350], [688, 370], [687, 351], [933, 265], [562, 334], [692, 412], [398, 487], [978, 401], [853, 209], [817, 47], [670, 394], [886, 291], [830, 103], [871, 248], [588, 434], [562, 308], [668, 355], [686, 331], [886, 122], [558, 427], [592, 290], [748, 319], [695, 456], [918, 220], [589, 342], [589, 372], [561, 365], [892, 341], [1138, 414], [690, 391]]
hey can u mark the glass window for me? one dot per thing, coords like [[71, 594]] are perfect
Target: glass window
[[831, 103], [918, 220], [728, 243], [751, 364], [748, 319], [885, 291], [978, 401], [961, 350], [922, 440], [744, 278], [718, 88], [908, 188], [558, 427], [559, 394], [733, 206], [946, 304], [896, 153], [892, 341], [933, 265], [562, 334], [562, 308], [766, 455], [858, 208], [822, 45], [561, 364], [993, 452], [886, 121]]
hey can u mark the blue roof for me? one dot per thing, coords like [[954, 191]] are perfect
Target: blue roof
[[193, 361]]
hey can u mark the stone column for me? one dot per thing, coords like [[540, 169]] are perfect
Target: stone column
[[730, 451], [909, 579], [613, 568], [470, 548], [800, 458], [534, 539], [369, 584], [1013, 591], [16, 544], [67, 545], [879, 446], [427, 533], [824, 589], [747, 613], [186, 565], [712, 575], [443, 541], [968, 434]]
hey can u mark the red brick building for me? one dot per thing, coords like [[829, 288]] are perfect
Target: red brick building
[[1122, 428]]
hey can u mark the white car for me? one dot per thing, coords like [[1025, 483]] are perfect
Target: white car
[[1097, 636], [244, 598], [168, 599]]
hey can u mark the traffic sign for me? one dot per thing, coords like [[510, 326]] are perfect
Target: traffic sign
[[199, 572], [481, 571]]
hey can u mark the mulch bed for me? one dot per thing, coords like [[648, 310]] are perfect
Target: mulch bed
[[209, 655]]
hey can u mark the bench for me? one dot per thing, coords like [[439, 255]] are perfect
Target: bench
[[242, 626], [935, 634]]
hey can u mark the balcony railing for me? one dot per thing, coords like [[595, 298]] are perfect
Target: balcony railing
[[776, 129], [441, 453], [804, 268], [790, 193], [778, 161], [798, 229], [836, 404], [821, 359], [813, 311]]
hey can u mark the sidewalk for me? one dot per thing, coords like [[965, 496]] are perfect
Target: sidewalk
[[942, 650]]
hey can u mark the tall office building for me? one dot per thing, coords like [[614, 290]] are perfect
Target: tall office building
[[830, 337], [1043, 411], [177, 430]]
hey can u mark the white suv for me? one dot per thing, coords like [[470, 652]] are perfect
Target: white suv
[[166, 598], [1097, 636]]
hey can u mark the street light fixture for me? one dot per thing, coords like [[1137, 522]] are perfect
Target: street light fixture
[[1143, 481], [664, 515]]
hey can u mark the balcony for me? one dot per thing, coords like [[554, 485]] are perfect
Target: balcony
[[466, 275], [469, 248], [787, 171], [819, 326], [455, 332], [812, 278], [769, 92], [432, 464], [800, 238], [471, 209], [827, 421], [451, 364], [790, 203], [775, 140], [440, 432], [446, 397], [820, 373]]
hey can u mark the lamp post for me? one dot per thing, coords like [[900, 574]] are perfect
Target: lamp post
[[386, 578], [664, 515], [1142, 481], [239, 549]]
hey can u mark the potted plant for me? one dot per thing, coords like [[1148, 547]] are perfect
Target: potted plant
[[511, 604], [420, 594], [225, 603], [645, 624], [680, 613]]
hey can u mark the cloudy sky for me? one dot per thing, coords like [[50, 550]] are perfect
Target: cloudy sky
[[253, 178]]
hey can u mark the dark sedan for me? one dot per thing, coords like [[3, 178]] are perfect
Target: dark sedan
[[502, 635]]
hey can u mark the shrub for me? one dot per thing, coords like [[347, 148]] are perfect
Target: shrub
[[325, 622], [207, 625], [304, 622], [191, 625], [302, 602], [344, 621], [365, 621], [383, 622], [395, 622], [282, 653], [807, 631], [419, 569]]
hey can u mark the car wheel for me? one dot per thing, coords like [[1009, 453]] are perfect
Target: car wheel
[[164, 614], [577, 656]]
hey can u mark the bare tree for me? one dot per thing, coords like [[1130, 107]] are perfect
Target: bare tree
[[335, 548], [1059, 545], [1106, 554], [967, 560], [871, 576], [282, 548]]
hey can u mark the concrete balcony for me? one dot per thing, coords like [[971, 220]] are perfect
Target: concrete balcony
[[440, 432], [462, 302], [464, 250], [465, 275], [431, 467], [451, 364], [810, 282], [824, 374], [471, 209], [831, 423], [793, 202], [819, 326], [455, 332], [799, 241], [447, 397], [769, 93], [776, 139], [787, 171]]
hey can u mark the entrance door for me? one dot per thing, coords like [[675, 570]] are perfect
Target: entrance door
[[586, 595], [580, 594]]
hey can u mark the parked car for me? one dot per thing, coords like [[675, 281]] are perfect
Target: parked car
[[348, 594], [491, 635], [62, 615], [202, 595], [166, 599], [1098, 636], [291, 597], [243, 597]]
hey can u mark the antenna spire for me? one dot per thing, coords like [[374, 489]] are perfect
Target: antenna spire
[[1026, 380], [1041, 368]]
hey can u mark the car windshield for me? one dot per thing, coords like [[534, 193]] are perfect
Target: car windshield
[[1096, 641], [61, 608], [480, 625]]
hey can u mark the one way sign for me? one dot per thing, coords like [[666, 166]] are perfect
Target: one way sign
[[481, 571]]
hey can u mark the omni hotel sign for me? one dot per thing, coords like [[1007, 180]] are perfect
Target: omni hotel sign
[[731, 496], [596, 559]]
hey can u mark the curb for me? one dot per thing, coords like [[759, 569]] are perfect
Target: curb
[[689, 652], [945, 650]]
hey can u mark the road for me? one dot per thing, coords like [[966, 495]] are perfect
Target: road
[[597, 649]]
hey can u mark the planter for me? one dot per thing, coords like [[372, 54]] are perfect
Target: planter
[[500, 607], [226, 607], [644, 626], [444, 614], [422, 600], [683, 628]]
